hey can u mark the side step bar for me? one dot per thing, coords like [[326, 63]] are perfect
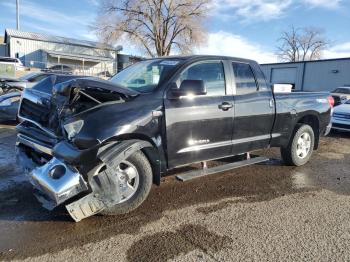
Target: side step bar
[[217, 169]]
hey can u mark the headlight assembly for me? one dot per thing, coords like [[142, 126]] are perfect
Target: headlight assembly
[[73, 128]]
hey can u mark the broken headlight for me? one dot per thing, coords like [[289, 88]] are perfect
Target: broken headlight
[[73, 128]]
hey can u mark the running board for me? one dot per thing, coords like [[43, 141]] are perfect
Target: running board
[[217, 169]]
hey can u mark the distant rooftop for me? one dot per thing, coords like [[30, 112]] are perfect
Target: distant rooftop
[[56, 39], [309, 61]]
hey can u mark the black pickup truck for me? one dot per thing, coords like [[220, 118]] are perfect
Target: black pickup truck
[[98, 146]]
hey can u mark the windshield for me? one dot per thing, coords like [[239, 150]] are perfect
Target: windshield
[[145, 76], [342, 91]]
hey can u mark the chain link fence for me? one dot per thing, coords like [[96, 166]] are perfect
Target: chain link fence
[[103, 70], [97, 69]]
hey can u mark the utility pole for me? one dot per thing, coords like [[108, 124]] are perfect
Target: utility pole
[[17, 14]]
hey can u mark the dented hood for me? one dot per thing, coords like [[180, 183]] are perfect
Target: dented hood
[[91, 83]]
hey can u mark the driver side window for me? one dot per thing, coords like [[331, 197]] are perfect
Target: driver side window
[[212, 73]]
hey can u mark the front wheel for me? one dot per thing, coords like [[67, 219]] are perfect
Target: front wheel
[[300, 148], [134, 176]]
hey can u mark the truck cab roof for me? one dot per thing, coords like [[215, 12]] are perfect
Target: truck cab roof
[[190, 58]]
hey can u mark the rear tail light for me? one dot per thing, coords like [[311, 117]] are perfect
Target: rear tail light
[[330, 101]]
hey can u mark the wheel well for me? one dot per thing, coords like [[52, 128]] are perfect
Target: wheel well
[[312, 121], [153, 157], [151, 152]]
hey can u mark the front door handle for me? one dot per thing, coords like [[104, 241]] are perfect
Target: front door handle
[[225, 106]]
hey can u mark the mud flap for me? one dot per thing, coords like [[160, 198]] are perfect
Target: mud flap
[[105, 186]]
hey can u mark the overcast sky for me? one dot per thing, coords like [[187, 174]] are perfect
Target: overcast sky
[[243, 28]]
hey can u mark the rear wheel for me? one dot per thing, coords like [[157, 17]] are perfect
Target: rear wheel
[[300, 148], [134, 176]]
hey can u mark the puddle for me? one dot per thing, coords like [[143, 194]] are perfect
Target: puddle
[[168, 245]]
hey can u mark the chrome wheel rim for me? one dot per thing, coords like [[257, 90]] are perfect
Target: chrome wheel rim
[[128, 180], [303, 145]]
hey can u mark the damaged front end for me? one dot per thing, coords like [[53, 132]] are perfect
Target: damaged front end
[[55, 180], [58, 181], [59, 167]]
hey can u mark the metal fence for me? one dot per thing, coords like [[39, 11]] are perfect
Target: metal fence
[[104, 70], [98, 69]]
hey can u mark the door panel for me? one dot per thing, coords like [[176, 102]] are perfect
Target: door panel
[[200, 128], [254, 111], [197, 130]]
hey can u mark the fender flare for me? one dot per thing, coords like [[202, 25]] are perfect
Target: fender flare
[[117, 151], [104, 190]]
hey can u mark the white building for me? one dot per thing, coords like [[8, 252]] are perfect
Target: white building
[[44, 51], [318, 75]]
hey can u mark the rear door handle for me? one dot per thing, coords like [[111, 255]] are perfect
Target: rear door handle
[[225, 106], [272, 103]]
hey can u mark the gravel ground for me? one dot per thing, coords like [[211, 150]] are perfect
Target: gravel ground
[[266, 212]]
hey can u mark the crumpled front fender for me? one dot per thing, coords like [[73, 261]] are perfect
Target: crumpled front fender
[[104, 184]]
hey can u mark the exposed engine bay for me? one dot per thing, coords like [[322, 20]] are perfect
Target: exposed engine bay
[[68, 99], [43, 139]]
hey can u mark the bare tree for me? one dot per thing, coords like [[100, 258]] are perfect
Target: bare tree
[[158, 26], [302, 44]]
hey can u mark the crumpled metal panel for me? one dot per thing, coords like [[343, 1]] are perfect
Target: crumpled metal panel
[[59, 189], [105, 189]]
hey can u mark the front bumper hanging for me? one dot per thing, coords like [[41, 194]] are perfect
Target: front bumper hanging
[[58, 181], [55, 182]]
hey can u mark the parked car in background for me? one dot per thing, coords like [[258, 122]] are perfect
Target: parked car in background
[[32, 78], [9, 102], [341, 117], [15, 61], [8, 85], [59, 69], [9, 106], [106, 74], [341, 95]]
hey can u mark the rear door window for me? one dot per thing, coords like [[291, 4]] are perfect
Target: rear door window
[[244, 79]]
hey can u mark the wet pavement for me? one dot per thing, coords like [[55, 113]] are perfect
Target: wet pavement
[[181, 221]]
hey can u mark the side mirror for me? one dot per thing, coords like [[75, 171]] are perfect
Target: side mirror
[[188, 88]]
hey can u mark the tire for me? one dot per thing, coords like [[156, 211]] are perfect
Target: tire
[[294, 154], [143, 167]]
